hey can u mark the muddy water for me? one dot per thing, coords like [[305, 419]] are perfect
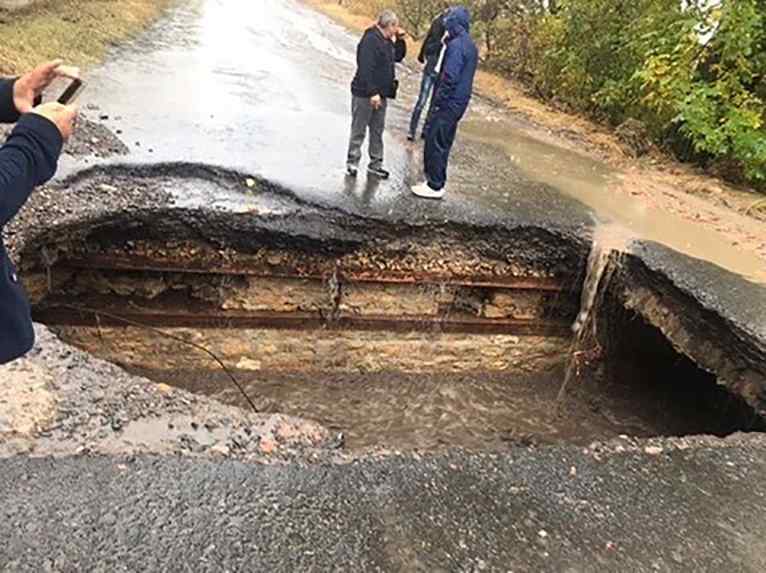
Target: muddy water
[[395, 410], [400, 391], [596, 185], [608, 241]]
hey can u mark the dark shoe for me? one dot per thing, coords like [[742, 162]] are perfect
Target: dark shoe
[[378, 172], [351, 170], [410, 137]]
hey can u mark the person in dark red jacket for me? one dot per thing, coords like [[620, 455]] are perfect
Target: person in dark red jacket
[[380, 48], [450, 102], [28, 158]]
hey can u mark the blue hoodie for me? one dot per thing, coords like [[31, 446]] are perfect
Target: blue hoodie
[[455, 87]]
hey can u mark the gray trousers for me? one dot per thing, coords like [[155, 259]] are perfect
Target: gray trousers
[[362, 118]]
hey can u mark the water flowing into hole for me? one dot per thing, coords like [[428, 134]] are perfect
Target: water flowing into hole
[[609, 243]]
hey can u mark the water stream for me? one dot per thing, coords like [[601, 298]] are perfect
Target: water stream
[[609, 243], [598, 187]]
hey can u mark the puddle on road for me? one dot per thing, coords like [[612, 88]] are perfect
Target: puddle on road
[[594, 184]]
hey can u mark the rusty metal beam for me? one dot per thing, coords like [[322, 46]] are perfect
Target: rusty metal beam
[[298, 321], [111, 263]]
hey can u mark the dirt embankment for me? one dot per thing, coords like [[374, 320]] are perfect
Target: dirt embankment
[[79, 31], [655, 177]]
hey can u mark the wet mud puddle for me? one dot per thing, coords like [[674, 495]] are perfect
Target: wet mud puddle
[[407, 391], [415, 411], [597, 186]]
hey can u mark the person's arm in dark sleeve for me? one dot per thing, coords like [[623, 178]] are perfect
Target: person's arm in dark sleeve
[[400, 49], [427, 41], [451, 70], [8, 113], [366, 65], [27, 159]]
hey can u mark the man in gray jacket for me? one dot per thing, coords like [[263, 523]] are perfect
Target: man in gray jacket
[[380, 48]]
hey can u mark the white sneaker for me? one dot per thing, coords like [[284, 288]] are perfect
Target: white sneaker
[[424, 191]]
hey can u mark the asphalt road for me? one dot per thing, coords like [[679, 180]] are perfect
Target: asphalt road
[[263, 89], [697, 509]]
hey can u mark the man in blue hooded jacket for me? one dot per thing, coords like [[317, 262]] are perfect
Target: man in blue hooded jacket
[[453, 94]]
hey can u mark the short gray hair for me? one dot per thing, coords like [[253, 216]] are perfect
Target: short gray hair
[[387, 18]]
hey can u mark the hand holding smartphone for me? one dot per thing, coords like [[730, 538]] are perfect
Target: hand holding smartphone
[[72, 92]]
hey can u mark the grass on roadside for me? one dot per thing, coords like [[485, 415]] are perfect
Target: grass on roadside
[[79, 31]]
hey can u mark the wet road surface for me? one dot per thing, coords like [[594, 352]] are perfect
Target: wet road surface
[[533, 510], [258, 87], [264, 88]]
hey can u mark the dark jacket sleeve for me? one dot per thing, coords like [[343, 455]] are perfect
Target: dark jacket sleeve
[[8, 113], [432, 45], [450, 77], [427, 43], [27, 159], [366, 65], [400, 49]]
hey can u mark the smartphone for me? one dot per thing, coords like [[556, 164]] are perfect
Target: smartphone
[[72, 92]]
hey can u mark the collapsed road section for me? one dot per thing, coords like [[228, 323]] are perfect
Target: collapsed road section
[[399, 333]]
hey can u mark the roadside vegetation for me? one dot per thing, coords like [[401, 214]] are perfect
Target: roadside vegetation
[[77, 30], [686, 75]]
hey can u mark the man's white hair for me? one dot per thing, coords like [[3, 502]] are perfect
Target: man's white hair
[[388, 18]]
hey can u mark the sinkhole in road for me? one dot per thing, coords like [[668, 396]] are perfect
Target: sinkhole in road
[[420, 339]]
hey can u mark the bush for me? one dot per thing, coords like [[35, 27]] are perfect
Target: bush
[[694, 74]]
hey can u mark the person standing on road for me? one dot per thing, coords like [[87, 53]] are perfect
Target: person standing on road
[[429, 55], [380, 48], [28, 158], [453, 94]]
